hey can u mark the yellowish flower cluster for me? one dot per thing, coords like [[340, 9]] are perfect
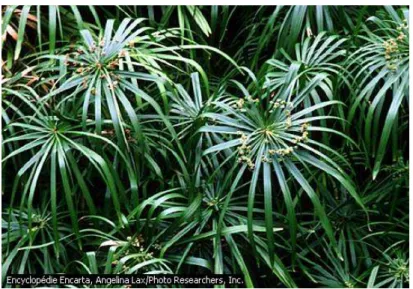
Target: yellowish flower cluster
[[304, 135], [280, 104], [248, 161], [244, 150], [401, 36], [288, 122], [137, 242], [280, 152], [305, 126], [288, 150], [239, 104], [403, 25], [243, 139], [391, 47], [264, 159], [284, 152], [284, 105]]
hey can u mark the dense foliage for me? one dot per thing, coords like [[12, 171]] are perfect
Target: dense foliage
[[270, 142]]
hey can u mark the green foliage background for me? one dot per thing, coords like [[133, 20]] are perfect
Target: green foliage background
[[267, 141]]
